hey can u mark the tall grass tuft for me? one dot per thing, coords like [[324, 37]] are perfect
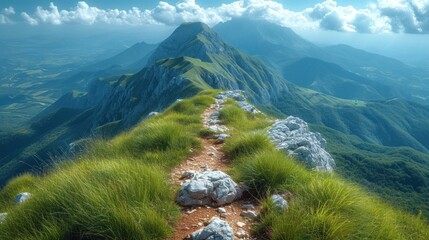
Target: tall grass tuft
[[96, 199], [247, 144]]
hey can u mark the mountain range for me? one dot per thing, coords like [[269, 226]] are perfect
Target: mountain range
[[362, 101]]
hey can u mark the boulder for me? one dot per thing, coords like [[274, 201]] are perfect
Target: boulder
[[279, 202], [22, 197], [293, 135], [216, 230], [213, 188]]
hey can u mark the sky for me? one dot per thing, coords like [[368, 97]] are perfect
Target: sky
[[366, 16], [318, 20]]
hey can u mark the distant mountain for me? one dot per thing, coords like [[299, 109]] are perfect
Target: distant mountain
[[334, 80], [133, 58], [280, 47]]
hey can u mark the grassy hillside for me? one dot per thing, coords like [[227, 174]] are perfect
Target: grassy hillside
[[117, 189], [321, 205]]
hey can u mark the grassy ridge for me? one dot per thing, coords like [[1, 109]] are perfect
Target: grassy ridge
[[321, 205], [117, 189]]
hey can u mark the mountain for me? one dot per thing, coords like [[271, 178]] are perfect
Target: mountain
[[334, 80], [117, 103], [194, 58], [280, 47]]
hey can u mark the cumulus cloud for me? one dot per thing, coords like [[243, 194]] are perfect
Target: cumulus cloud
[[4, 15], [411, 16]]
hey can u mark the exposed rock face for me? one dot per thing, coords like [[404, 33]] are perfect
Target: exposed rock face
[[293, 135], [22, 197], [214, 188], [216, 230], [279, 202]]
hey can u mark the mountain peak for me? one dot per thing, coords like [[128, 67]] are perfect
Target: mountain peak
[[192, 28], [194, 39]]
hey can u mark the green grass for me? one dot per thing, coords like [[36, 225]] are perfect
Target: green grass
[[321, 205], [117, 189]]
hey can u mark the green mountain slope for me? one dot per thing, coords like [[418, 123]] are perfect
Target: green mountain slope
[[333, 80], [200, 60], [117, 189]]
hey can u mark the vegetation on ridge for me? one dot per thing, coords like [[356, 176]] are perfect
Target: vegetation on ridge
[[321, 205], [117, 189]]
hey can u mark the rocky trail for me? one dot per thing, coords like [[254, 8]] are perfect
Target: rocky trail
[[224, 212]]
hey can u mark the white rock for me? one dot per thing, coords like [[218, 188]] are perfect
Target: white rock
[[221, 210], [213, 188], [279, 202], [249, 214], [241, 224], [293, 135], [22, 197], [241, 234], [216, 230]]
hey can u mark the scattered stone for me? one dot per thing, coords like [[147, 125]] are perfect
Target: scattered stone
[[216, 230], [241, 224], [3, 217], [191, 211], [187, 175], [293, 135], [221, 138], [249, 214], [218, 128], [241, 234], [248, 206], [211, 154], [213, 188], [221, 210], [151, 114], [22, 197], [279, 202]]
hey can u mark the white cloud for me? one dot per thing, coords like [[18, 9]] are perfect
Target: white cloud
[[5, 15], [411, 16], [384, 16], [29, 19]]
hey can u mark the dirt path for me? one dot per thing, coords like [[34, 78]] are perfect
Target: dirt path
[[194, 218]]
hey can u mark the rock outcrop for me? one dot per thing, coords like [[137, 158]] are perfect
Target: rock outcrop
[[216, 230], [22, 197], [293, 135], [213, 188]]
